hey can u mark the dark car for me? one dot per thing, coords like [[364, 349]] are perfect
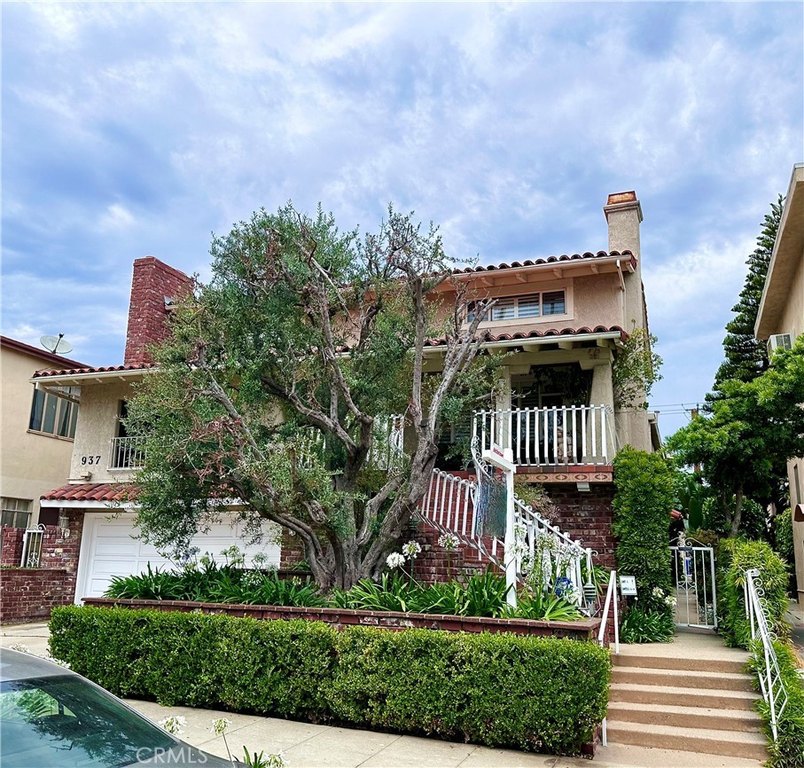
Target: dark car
[[53, 718]]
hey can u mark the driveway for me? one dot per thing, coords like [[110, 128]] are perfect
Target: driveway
[[305, 745]]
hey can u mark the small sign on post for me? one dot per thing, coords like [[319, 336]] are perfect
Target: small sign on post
[[628, 586]]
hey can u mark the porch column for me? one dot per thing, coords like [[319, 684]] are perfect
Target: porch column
[[601, 393], [502, 404]]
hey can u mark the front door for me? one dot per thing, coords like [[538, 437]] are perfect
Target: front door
[[694, 583]]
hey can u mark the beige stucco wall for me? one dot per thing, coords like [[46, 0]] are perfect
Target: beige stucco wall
[[31, 463], [97, 425]]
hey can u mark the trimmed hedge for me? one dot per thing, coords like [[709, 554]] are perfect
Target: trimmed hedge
[[529, 693], [734, 558]]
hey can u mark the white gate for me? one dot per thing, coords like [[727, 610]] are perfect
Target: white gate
[[694, 583]]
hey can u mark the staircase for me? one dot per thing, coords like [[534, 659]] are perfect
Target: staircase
[[691, 695]]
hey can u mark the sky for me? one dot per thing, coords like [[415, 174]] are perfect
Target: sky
[[142, 129]]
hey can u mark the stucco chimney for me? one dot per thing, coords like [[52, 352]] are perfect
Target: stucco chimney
[[154, 285], [624, 215]]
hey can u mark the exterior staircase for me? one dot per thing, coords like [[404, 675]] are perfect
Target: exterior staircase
[[692, 695]]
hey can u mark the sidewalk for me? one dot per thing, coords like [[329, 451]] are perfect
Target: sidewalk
[[795, 615], [306, 745]]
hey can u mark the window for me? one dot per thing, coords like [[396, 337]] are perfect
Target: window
[[545, 303], [16, 513], [53, 415]]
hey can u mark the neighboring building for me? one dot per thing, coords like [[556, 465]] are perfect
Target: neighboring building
[[37, 432], [781, 320], [564, 319]]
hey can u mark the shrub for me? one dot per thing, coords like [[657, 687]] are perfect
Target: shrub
[[640, 626], [734, 558], [642, 503], [457, 686], [783, 543]]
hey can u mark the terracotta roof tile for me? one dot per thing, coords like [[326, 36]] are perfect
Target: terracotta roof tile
[[488, 336], [99, 369], [586, 256], [92, 492]]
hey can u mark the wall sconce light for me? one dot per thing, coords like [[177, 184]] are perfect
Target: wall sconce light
[[64, 525], [583, 487]]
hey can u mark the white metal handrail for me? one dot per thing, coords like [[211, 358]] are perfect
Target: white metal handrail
[[557, 436], [126, 452], [32, 547], [611, 597], [770, 676]]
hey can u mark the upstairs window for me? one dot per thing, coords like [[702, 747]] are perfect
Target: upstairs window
[[53, 415], [542, 304]]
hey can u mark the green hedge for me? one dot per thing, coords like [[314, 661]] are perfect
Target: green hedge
[[734, 558], [542, 694]]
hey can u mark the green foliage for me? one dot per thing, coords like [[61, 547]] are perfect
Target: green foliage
[[690, 497], [642, 504], [215, 584], [456, 686], [783, 536], [734, 558], [640, 626], [746, 356], [636, 370], [787, 750]]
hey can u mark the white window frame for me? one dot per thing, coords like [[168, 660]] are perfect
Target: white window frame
[[515, 300], [14, 507]]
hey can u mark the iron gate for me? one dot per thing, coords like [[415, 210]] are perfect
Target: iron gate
[[694, 583]]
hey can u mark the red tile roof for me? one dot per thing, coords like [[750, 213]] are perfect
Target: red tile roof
[[99, 369], [92, 492], [587, 256], [488, 336]]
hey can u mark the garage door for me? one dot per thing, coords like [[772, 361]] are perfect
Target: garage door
[[109, 547]]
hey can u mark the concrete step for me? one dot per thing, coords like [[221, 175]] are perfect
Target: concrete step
[[675, 695], [714, 742], [685, 717], [735, 664], [720, 681], [631, 756]]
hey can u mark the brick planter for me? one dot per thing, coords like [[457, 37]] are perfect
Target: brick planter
[[29, 594], [341, 617]]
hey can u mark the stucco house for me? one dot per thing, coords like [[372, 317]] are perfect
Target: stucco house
[[37, 431], [564, 319], [780, 322]]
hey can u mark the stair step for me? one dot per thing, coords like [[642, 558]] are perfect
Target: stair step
[[685, 717], [714, 742], [674, 695], [736, 664], [721, 681]]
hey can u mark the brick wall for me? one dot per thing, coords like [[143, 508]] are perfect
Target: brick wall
[[28, 594], [292, 550], [152, 282]]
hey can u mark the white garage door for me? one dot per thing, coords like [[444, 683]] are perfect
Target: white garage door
[[109, 547]]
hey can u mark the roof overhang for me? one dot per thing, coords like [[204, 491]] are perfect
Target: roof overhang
[[785, 260], [567, 341], [61, 384]]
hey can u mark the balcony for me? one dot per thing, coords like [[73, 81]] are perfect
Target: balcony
[[127, 453], [567, 436]]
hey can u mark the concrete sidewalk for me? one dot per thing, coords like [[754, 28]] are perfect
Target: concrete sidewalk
[[305, 745]]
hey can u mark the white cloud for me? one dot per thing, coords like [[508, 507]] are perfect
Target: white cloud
[[116, 217]]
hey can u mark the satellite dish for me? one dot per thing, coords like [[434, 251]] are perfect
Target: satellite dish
[[58, 345]]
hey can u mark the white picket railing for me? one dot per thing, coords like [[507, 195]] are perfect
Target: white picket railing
[[387, 445], [770, 676], [449, 506], [558, 436], [127, 452]]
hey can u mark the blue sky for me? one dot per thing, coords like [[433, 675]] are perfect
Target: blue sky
[[136, 129]]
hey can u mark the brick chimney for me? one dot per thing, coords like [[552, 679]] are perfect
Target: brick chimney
[[154, 285], [624, 215]]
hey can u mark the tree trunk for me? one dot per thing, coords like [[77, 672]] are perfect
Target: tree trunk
[[738, 513]]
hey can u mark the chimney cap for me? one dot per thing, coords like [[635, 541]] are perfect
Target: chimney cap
[[622, 197]]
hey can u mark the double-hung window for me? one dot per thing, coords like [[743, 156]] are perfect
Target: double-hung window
[[16, 513], [541, 304]]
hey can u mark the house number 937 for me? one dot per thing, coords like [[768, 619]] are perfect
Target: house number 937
[[87, 460]]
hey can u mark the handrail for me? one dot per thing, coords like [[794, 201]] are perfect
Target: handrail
[[611, 592], [770, 676]]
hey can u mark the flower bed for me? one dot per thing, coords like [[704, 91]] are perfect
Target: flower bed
[[586, 629], [540, 694]]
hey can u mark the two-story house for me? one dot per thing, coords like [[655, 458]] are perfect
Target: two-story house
[[563, 319], [780, 321]]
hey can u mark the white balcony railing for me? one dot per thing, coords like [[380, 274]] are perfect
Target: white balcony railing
[[127, 452], [558, 436]]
